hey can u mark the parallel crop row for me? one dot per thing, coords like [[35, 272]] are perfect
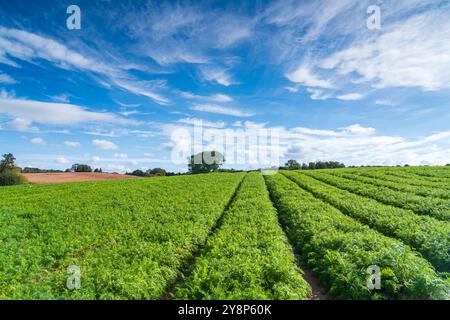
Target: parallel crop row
[[249, 256], [428, 236], [340, 249], [399, 183], [129, 238], [436, 208], [421, 191], [413, 178], [441, 174]]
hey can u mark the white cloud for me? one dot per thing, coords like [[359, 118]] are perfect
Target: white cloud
[[64, 98], [104, 144], [19, 124], [4, 78], [356, 129], [62, 160], [292, 89], [56, 113], [409, 53], [202, 122], [28, 46], [121, 155], [216, 74], [318, 94], [95, 159], [351, 97], [117, 168], [218, 97], [38, 141], [385, 103], [304, 76], [72, 144], [221, 110]]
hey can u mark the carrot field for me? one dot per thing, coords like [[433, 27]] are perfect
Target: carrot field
[[231, 236]]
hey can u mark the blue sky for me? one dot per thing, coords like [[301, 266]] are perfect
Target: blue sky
[[118, 92]]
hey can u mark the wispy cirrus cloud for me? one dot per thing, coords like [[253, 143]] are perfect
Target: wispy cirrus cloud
[[410, 50], [218, 97], [211, 108], [30, 47], [4, 78], [202, 122], [217, 74], [50, 113]]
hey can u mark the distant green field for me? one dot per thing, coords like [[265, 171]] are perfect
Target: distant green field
[[230, 236]]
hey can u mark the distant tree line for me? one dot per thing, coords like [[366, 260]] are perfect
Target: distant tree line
[[156, 172], [295, 165], [37, 170]]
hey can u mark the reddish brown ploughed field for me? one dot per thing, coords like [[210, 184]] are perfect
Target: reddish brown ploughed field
[[47, 178]]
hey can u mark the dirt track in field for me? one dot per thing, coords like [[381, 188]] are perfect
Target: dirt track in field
[[48, 178]]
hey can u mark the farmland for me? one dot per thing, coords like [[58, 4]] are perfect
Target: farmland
[[231, 236]]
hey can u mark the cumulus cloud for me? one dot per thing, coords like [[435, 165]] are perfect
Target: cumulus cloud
[[38, 141], [19, 124], [353, 145], [121, 155], [72, 144], [350, 97], [62, 160], [104, 144]]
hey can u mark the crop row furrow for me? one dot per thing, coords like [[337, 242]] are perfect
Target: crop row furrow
[[403, 184], [341, 249], [433, 207], [428, 236], [248, 257], [421, 191], [128, 239]]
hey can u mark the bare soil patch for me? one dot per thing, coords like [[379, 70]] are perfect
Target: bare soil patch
[[49, 178]]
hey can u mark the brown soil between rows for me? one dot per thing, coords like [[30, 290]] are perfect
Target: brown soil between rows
[[48, 178]]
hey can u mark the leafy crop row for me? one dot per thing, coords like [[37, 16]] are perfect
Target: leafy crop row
[[340, 249], [396, 183], [249, 256], [436, 174], [436, 208], [129, 238], [428, 236], [414, 179]]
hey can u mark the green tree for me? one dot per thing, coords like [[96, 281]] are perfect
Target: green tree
[[205, 162], [293, 165], [8, 162], [138, 173], [157, 172], [81, 168]]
